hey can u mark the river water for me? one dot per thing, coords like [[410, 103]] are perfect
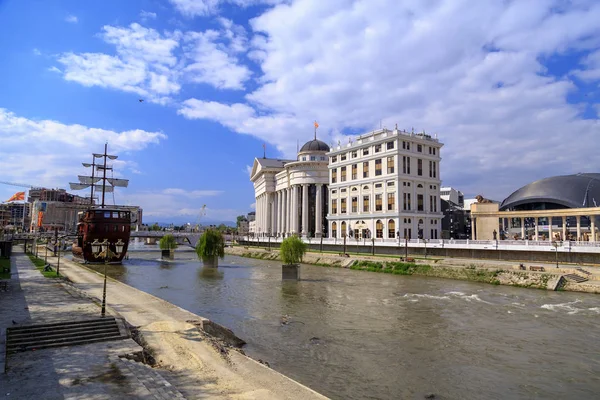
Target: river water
[[362, 335]]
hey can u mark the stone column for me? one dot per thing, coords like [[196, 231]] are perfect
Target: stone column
[[305, 210], [283, 211], [564, 228], [522, 228], [294, 209], [319, 211], [279, 212], [550, 228], [274, 218], [537, 231], [473, 227], [289, 211], [578, 228], [593, 228]]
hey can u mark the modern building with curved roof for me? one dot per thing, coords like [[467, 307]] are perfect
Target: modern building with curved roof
[[565, 191]]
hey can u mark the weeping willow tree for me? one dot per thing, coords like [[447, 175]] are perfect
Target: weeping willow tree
[[292, 250], [211, 247], [168, 242]]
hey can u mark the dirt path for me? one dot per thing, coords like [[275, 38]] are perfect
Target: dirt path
[[200, 370]]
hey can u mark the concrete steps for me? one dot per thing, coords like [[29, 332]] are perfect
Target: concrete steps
[[575, 278], [69, 333], [148, 382]]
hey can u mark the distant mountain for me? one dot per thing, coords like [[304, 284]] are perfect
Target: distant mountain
[[181, 221]]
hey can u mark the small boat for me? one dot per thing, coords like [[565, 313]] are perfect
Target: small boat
[[102, 231]]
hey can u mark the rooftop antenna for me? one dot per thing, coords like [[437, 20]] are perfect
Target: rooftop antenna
[[264, 150], [316, 126]]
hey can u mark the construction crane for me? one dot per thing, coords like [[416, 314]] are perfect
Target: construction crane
[[17, 184], [200, 215]]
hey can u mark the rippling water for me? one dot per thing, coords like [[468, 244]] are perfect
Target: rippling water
[[361, 335]]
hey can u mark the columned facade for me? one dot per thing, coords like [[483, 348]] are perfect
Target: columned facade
[[291, 195]]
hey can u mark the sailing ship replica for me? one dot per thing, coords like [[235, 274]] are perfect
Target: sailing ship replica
[[102, 232]]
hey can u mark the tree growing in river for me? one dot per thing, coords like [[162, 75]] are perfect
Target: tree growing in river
[[168, 242], [292, 250]]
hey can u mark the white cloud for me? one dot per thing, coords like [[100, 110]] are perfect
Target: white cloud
[[253, 206], [193, 8], [71, 19], [147, 15], [37, 52], [471, 71], [155, 65], [248, 170], [49, 152], [54, 69]]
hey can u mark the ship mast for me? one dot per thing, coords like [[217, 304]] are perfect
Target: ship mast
[[87, 181]]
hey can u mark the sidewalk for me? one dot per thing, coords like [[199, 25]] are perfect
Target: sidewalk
[[92, 371], [185, 355]]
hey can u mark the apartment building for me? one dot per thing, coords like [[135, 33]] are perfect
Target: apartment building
[[385, 185]]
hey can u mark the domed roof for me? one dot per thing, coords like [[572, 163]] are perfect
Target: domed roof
[[573, 191], [315, 145]]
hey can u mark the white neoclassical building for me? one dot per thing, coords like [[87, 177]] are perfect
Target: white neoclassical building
[[291, 195], [386, 185]]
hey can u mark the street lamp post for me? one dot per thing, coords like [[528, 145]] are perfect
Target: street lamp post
[[102, 250], [398, 237], [556, 243], [58, 262], [425, 241], [46, 252]]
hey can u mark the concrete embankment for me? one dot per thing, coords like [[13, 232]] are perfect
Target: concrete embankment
[[184, 343], [469, 270]]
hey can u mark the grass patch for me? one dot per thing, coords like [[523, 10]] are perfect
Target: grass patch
[[40, 264], [4, 263]]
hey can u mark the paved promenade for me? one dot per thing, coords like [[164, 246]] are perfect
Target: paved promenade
[[186, 357], [92, 371]]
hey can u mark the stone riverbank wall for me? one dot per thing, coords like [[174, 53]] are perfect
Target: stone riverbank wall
[[481, 254], [501, 274]]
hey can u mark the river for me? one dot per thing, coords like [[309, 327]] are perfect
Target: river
[[362, 335]]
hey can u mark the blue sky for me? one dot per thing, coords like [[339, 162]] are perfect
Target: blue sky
[[510, 88]]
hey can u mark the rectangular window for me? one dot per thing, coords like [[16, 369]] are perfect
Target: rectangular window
[[406, 165], [419, 148], [378, 205], [354, 170], [430, 203], [366, 169], [354, 154], [430, 149], [406, 145], [407, 201], [420, 167], [355, 204], [378, 167], [365, 152], [366, 204], [343, 157], [313, 158], [334, 159], [431, 169], [377, 148], [391, 201], [343, 177], [343, 207], [343, 190], [334, 175], [334, 206], [434, 151], [391, 183], [390, 165], [434, 203], [389, 145], [391, 233], [419, 202], [378, 185], [434, 169]]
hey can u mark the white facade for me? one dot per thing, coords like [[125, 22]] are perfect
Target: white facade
[[385, 185], [291, 195]]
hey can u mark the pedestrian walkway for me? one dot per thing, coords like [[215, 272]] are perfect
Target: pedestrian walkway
[[92, 371]]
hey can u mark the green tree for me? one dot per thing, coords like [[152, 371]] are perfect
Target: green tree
[[168, 242], [155, 227], [239, 220], [211, 244], [292, 250]]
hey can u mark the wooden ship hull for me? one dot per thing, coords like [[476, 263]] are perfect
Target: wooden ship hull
[[100, 224]]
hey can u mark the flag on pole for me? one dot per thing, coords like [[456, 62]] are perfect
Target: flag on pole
[[17, 197], [316, 124]]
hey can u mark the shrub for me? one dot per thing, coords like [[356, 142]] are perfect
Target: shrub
[[167, 242], [211, 244], [292, 250]]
